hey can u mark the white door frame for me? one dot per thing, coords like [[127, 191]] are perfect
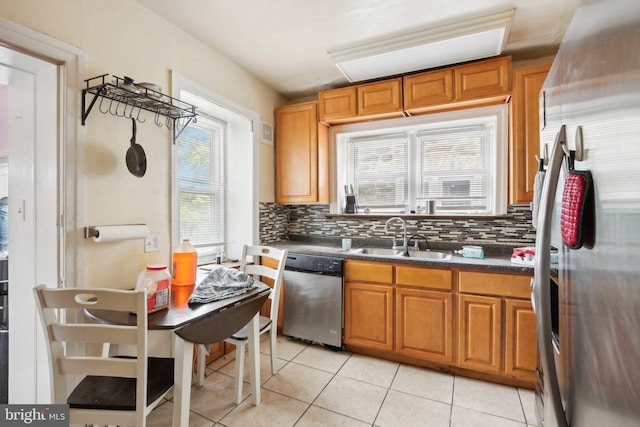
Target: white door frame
[[28, 386]]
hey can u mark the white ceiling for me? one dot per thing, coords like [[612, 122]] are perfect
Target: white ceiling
[[285, 42]]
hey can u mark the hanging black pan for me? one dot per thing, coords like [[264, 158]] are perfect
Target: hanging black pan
[[136, 159]]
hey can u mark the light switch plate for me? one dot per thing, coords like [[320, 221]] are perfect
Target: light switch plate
[[152, 243]]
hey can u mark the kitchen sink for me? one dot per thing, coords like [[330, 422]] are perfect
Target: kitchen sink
[[378, 251], [430, 255], [433, 255]]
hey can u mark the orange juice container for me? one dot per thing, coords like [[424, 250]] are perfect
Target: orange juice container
[[185, 259]]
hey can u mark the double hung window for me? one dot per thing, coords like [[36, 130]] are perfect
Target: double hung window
[[456, 159], [202, 186]]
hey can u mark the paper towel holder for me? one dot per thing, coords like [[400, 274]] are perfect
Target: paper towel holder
[[91, 231]]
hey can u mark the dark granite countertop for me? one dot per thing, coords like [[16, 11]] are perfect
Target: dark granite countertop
[[496, 259]]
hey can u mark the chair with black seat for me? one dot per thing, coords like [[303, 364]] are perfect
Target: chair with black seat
[[267, 262], [108, 391]]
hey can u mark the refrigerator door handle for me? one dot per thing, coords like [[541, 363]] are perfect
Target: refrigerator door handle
[[541, 288]]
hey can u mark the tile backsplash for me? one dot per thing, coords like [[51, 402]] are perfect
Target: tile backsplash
[[310, 222]]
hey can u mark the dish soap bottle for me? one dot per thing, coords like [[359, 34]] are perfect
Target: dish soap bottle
[[185, 259], [471, 252]]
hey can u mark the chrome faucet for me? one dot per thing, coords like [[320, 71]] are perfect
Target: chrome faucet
[[404, 232], [415, 238]]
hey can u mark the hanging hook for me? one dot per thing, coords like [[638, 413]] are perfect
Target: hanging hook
[[169, 123], [113, 113], [102, 98], [138, 116], [130, 115], [123, 114], [157, 120]]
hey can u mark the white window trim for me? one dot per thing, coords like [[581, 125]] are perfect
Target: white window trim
[[500, 111], [179, 83]]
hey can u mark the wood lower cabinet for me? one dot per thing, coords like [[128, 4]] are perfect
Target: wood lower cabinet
[[402, 309], [476, 323], [479, 335], [424, 324], [301, 155], [368, 315], [520, 339], [497, 325], [525, 131]]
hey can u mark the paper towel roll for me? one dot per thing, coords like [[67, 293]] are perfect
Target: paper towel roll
[[111, 233]]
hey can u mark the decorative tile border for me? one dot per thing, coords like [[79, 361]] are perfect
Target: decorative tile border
[[303, 222]]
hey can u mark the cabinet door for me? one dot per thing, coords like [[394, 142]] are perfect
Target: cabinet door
[[520, 339], [483, 79], [525, 137], [337, 104], [298, 154], [424, 324], [427, 90], [479, 334], [368, 315], [381, 99]]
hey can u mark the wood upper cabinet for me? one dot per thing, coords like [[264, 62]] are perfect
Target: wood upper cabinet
[[380, 99], [425, 91], [337, 104], [424, 324], [301, 155], [525, 131], [361, 102], [483, 78], [463, 86], [480, 331]]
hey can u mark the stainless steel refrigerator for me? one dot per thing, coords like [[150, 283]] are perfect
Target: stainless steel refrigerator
[[588, 305]]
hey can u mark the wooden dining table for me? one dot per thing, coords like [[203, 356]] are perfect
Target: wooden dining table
[[164, 326]]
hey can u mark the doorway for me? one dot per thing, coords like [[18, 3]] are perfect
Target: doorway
[[29, 149], [40, 77]]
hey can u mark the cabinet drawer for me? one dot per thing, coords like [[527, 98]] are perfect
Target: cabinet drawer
[[367, 272], [509, 285], [485, 78], [423, 277]]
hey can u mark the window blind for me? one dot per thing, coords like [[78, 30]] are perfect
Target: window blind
[[453, 167], [201, 167], [377, 167]]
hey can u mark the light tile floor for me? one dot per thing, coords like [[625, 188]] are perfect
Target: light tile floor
[[319, 387]]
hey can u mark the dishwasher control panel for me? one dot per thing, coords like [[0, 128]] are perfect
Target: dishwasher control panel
[[314, 264]]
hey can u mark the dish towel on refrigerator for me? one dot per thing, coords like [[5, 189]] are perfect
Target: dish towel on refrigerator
[[537, 191], [576, 218]]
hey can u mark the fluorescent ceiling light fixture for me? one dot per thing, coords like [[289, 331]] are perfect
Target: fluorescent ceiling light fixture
[[420, 50]]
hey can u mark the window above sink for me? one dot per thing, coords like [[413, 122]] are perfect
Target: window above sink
[[456, 159]]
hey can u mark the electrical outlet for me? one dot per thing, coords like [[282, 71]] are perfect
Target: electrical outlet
[[152, 243]]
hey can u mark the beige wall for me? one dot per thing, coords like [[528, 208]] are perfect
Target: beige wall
[[121, 37]]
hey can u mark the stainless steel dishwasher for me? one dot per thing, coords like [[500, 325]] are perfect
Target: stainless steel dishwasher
[[313, 299]]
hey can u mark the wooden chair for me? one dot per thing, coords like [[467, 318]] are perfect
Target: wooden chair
[[267, 324], [108, 392]]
